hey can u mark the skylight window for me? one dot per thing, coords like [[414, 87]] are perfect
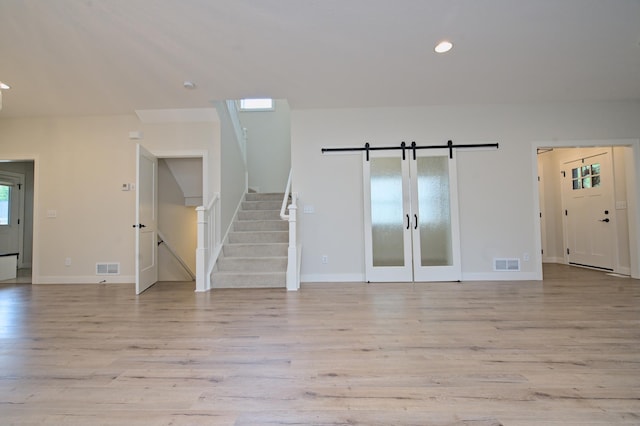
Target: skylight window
[[263, 104]]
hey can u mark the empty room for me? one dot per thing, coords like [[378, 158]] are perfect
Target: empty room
[[330, 212]]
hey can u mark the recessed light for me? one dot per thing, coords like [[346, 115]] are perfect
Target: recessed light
[[443, 47], [4, 86]]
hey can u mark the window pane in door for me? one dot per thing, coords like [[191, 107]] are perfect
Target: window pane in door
[[387, 219], [434, 211], [5, 197], [577, 184]]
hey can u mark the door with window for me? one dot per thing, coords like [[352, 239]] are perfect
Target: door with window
[[411, 217], [590, 211]]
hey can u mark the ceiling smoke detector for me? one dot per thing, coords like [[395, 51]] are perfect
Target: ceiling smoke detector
[[189, 85]]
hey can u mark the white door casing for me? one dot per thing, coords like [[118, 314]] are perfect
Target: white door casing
[[146, 224]]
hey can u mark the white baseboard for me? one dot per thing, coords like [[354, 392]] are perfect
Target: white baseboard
[[472, 276], [87, 279], [623, 270], [331, 278], [500, 276], [553, 260]]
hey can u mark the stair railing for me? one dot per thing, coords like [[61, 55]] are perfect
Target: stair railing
[[209, 242], [287, 191], [293, 252], [163, 240]]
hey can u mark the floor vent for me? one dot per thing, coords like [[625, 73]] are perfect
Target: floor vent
[[107, 269], [510, 265]]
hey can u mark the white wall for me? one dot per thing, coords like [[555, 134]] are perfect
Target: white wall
[[233, 171], [551, 207], [268, 147], [620, 154], [80, 166], [498, 203]]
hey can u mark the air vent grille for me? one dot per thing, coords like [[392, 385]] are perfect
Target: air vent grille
[[107, 269], [511, 265]]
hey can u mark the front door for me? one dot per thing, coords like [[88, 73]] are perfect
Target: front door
[[146, 220], [590, 210], [411, 217]]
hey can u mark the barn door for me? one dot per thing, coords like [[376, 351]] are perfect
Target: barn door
[[411, 217]]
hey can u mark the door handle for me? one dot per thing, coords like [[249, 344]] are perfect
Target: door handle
[[408, 220], [140, 226], [605, 220], [415, 226]]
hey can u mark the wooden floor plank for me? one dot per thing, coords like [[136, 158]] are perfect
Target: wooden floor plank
[[563, 351]]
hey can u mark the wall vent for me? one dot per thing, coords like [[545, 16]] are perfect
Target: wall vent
[[107, 269], [510, 265]]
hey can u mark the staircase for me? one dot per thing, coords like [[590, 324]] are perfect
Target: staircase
[[255, 255]]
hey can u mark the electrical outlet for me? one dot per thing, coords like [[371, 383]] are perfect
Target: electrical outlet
[[525, 257], [325, 259], [67, 261]]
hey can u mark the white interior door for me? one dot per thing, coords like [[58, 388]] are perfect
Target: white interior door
[[411, 217], [387, 198], [434, 205], [146, 220], [590, 211]]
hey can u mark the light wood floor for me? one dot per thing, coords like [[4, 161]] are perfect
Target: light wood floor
[[565, 351]]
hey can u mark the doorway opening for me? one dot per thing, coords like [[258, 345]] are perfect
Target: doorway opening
[[587, 204], [179, 193], [16, 216], [170, 185]]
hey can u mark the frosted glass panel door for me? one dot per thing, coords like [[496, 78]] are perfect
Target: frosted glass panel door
[[436, 252], [387, 212], [387, 235], [411, 220]]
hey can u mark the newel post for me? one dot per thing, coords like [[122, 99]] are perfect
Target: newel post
[[292, 265], [201, 250]]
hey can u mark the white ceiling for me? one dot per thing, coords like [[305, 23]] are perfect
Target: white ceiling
[[64, 57]]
